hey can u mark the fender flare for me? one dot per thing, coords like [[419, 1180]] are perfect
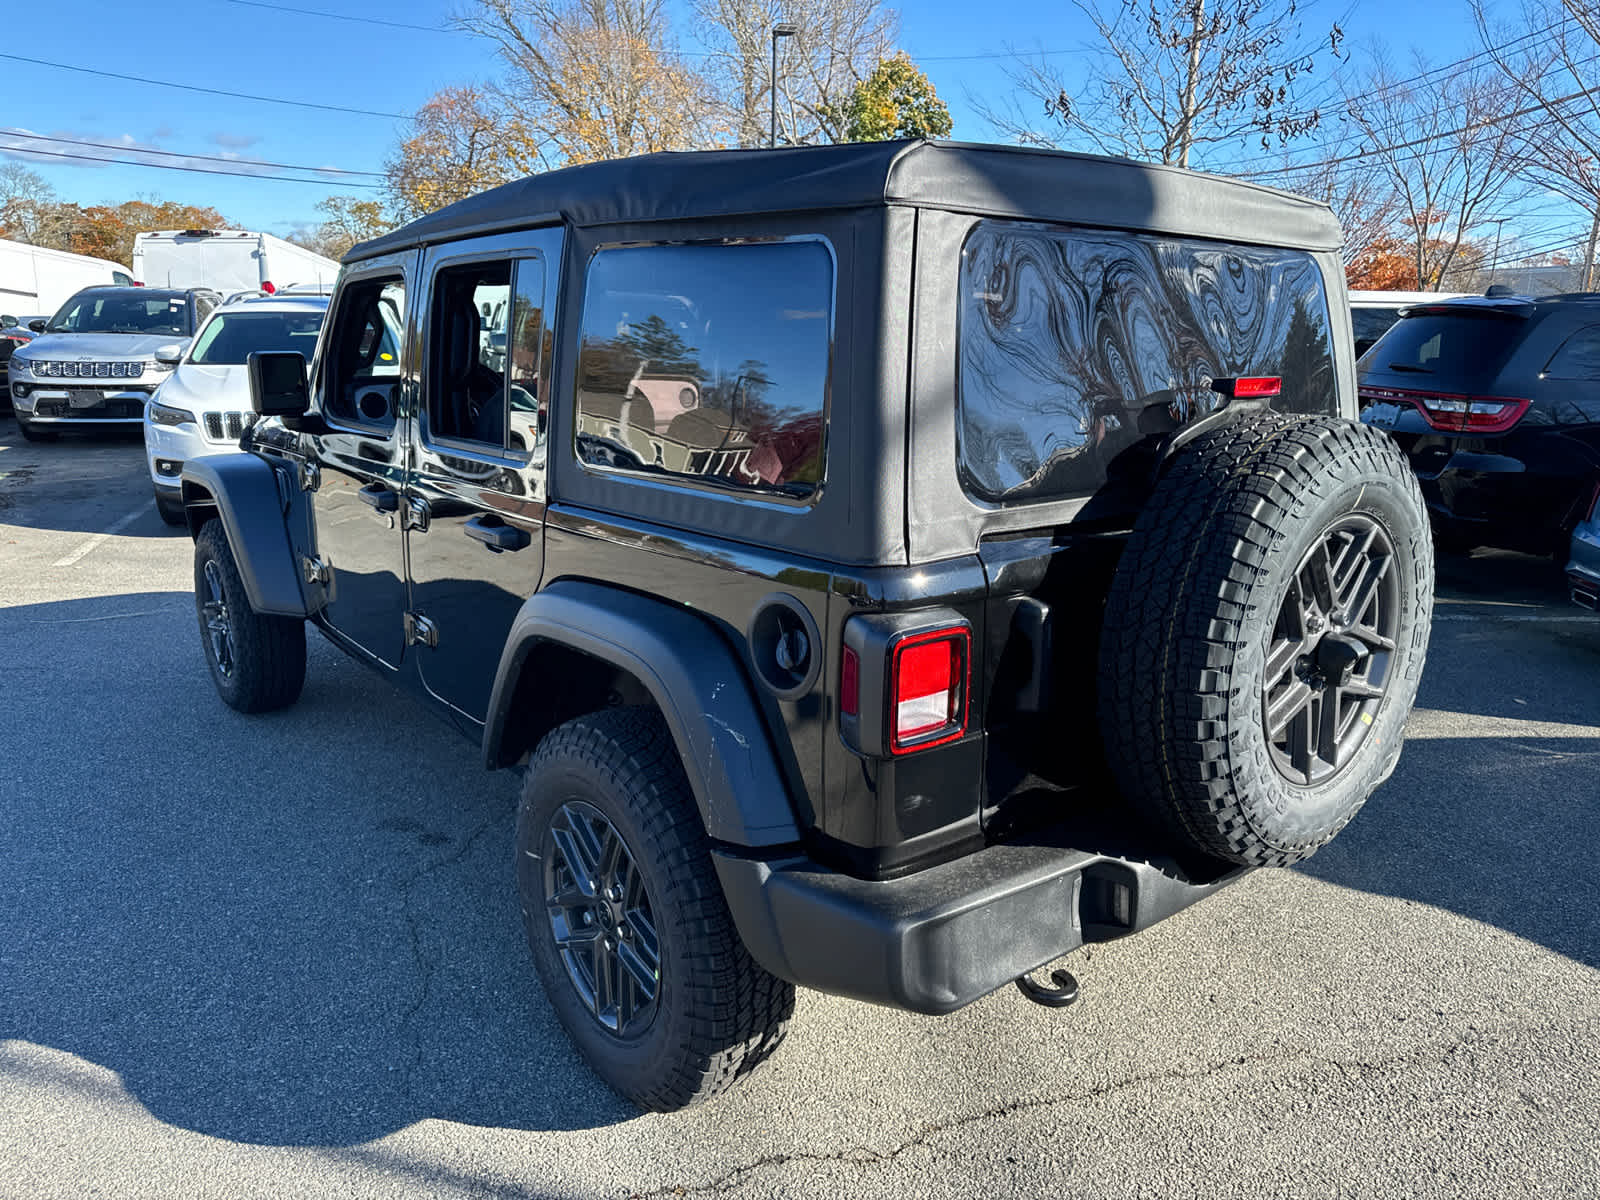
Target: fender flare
[[244, 488], [696, 681]]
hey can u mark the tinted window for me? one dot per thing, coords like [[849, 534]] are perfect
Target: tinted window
[[1446, 352], [363, 373], [1579, 356], [231, 337], [132, 311], [1075, 344], [1370, 324], [708, 362], [467, 353]]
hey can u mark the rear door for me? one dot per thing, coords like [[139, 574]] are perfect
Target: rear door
[[363, 388], [475, 486]]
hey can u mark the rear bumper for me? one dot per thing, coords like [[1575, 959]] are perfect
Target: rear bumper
[[941, 938]]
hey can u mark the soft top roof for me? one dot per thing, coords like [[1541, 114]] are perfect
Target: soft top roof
[[1000, 181]]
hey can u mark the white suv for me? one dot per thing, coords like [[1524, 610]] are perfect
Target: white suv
[[204, 406]]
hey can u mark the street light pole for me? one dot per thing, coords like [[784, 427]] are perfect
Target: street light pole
[[1494, 263], [781, 30]]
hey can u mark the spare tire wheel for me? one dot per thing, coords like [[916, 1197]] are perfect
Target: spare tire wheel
[[1264, 636]]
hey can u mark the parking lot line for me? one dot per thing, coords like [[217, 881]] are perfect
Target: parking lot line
[[116, 527]]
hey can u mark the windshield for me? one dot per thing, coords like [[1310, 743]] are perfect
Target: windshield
[[1447, 352], [229, 338], [116, 311]]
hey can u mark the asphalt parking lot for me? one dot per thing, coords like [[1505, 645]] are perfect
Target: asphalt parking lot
[[281, 956]]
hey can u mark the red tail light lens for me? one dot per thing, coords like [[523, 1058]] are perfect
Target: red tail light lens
[[928, 690], [1249, 387], [1450, 413], [266, 286]]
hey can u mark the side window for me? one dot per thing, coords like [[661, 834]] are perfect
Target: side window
[[1578, 358], [362, 378], [122, 279], [467, 351], [709, 363], [202, 309]]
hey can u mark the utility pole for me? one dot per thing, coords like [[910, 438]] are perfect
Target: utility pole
[[1588, 255], [781, 30]]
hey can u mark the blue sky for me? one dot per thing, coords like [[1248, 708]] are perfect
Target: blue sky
[[242, 47]]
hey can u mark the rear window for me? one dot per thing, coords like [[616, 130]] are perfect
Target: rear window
[[1446, 352], [1075, 344], [1370, 324]]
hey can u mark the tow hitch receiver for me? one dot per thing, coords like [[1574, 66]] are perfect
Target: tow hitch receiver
[[1064, 993]]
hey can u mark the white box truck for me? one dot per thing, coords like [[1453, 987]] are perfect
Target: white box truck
[[227, 260], [35, 281]]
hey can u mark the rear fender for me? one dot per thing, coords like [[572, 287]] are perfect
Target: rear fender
[[254, 501], [688, 670]]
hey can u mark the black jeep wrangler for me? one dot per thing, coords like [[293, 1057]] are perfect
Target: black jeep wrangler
[[892, 566]]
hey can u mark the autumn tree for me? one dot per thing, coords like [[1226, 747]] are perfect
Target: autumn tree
[[837, 45], [1170, 77], [896, 101], [1448, 146], [347, 220], [592, 79], [107, 231], [463, 140]]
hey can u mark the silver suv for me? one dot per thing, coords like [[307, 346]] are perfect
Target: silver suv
[[100, 357]]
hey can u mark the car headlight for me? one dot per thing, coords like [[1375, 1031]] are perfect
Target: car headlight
[[165, 414]]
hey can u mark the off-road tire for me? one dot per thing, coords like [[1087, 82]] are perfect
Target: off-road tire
[[171, 511], [1192, 609], [717, 1013], [268, 653]]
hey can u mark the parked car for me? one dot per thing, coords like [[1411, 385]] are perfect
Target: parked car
[[98, 360], [12, 334], [204, 405], [1050, 587], [37, 279], [1496, 402], [226, 261], [1583, 566]]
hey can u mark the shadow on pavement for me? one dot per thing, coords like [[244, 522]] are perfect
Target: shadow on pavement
[[293, 929], [83, 483]]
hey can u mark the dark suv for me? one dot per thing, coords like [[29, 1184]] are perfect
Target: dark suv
[[891, 565], [1496, 402]]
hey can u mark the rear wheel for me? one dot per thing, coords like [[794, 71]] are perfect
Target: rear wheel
[[257, 662], [1265, 634], [629, 929]]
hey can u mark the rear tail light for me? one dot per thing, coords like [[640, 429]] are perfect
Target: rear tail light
[[1249, 387], [266, 286], [928, 689], [904, 681], [1451, 413]]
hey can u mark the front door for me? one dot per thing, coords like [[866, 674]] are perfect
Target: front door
[[360, 456], [475, 492]]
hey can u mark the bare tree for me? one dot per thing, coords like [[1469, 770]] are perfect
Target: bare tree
[[1449, 148], [463, 141], [1170, 77], [1361, 194], [1551, 62], [838, 44], [27, 205], [594, 79]]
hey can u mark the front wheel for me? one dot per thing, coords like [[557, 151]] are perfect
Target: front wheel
[[626, 920], [257, 662]]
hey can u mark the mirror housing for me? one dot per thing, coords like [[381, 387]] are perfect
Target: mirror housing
[[278, 383], [7, 321], [169, 356], [38, 324]]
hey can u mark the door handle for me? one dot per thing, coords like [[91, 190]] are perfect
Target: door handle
[[496, 534], [380, 498]]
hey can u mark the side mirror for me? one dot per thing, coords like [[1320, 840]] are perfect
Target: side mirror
[[7, 321], [38, 324], [169, 356], [278, 383]]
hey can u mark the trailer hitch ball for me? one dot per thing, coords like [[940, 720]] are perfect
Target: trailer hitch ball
[[1062, 994]]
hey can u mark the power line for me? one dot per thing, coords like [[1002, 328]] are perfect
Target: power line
[[333, 16], [126, 149], [128, 162], [189, 87]]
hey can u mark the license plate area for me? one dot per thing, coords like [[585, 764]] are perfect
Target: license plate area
[[86, 399]]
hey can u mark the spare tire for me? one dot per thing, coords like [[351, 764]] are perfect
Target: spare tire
[[1264, 636]]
